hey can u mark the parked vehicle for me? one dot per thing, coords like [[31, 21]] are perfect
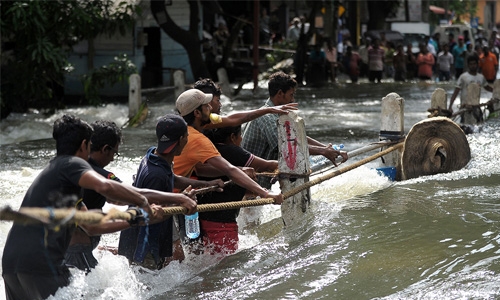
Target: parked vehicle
[[390, 35], [457, 30], [414, 33], [415, 39], [411, 27]]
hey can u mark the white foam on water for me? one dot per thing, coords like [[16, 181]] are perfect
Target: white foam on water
[[360, 181]]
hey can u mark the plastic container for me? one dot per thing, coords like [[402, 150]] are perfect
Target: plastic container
[[192, 226], [215, 118], [338, 147], [389, 172]]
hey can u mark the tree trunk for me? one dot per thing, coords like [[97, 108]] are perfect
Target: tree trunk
[[189, 39], [231, 42], [377, 15], [300, 59], [90, 54]]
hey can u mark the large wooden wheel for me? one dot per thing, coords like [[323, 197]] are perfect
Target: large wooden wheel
[[435, 145]]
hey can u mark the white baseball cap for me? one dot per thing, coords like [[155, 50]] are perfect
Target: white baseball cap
[[191, 100]]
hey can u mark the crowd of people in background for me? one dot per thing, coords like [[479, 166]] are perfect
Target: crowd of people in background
[[376, 58], [379, 58]]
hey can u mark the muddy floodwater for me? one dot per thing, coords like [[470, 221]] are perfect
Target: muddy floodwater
[[364, 237]]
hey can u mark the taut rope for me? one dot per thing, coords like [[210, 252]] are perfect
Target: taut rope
[[472, 107], [31, 215]]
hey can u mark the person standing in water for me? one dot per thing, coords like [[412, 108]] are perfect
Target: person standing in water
[[33, 256], [467, 78], [260, 136], [219, 228]]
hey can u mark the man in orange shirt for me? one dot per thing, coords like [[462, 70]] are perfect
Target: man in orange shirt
[[488, 64], [200, 154], [425, 61]]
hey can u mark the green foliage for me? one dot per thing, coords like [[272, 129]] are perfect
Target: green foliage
[[462, 9], [459, 7], [276, 55], [37, 37], [117, 71]]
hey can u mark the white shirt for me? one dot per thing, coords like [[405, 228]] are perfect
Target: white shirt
[[465, 79], [445, 61]]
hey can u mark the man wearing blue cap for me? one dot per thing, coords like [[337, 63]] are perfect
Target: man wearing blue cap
[[151, 245]]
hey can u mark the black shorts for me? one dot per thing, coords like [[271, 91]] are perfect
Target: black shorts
[[81, 257], [372, 75], [23, 286]]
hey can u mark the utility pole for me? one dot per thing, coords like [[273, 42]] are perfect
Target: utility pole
[[446, 11], [256, 16], [407, 11], [335, 32]]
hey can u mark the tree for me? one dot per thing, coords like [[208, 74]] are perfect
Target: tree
[[460, 8], [189, 39], [37, 37]]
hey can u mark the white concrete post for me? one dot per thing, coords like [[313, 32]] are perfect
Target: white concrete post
[[473, 97], [293, 165], [496, 89], [134, 95], [438, 102], [179, 82], [392, 127], [496, 98], [226, 88]]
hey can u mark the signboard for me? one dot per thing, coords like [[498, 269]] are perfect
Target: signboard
[[474, 22]]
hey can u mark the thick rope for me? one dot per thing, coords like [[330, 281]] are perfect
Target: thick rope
[[40, 215], [439, 112], [471, 107], [30, 215]]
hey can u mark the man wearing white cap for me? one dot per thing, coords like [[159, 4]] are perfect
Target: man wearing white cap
[[193, 105]]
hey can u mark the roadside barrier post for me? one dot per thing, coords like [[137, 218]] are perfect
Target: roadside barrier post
[[134, 95], [439, 104], [224, 82], [496, 99], [293, 165], [179, 82], [392, 128]]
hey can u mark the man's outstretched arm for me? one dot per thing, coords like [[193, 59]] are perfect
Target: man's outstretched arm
[[239, 118]]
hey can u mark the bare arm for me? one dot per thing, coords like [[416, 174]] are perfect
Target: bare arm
[[317, 148], [207, 170], [239, 118], [181, 182], [488, 88], [241, 179], [166, 198], [262, 165], [115, 225], [125, 194], [109, 227], [314, 142], [114, 190], [98, 229]]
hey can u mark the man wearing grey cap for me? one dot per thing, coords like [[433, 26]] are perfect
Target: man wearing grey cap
[[193, 105]]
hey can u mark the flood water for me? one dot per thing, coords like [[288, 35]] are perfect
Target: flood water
[[364, 237]]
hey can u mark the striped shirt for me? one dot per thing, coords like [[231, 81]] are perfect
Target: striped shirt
[[260, 137]]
